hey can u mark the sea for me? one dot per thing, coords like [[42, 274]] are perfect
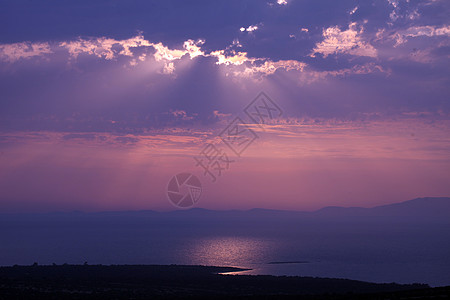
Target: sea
[[401, 254]]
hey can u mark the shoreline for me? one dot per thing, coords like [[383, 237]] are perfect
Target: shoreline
[[180, 281]]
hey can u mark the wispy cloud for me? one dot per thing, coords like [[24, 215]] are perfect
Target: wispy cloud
[[402, 36]]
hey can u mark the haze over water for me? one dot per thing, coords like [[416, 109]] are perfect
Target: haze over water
[[379, 247]]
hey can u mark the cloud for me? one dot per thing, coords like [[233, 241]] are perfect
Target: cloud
[[310, 76], [193, 48], [257, 69], [347, 42], [249, 28], [164, 53], [407, 10], [233, 58], [402, 36], [281, 2], [208, 82], [394, 3], [413, 15], [103, 47], [182, 115], [189, 47], [169, 68], [394, 15], [25, 50]]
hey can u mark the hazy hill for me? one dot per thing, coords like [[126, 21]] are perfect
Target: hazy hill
[[420, 209]]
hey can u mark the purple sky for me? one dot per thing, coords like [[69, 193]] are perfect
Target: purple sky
[[102, 103]]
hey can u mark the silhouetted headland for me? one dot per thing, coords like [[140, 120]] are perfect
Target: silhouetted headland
[[179, 281]]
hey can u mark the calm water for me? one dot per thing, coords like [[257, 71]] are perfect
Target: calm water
[[403, 257]]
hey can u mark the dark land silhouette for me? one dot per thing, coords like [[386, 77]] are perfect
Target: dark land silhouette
[[176, 281]]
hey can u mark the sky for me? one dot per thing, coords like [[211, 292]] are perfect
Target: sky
[[278, 104]]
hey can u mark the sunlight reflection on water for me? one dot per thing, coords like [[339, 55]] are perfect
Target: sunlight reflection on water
[[271, 256], [231, 251]]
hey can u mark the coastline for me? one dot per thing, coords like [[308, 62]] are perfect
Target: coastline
[[179, 281]]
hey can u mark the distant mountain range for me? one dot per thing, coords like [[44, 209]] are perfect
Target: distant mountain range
[[429, 209], [419, 208]]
